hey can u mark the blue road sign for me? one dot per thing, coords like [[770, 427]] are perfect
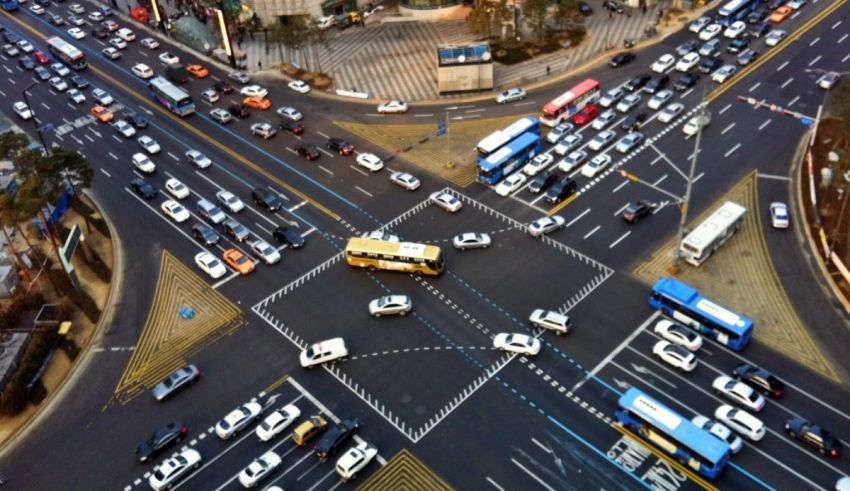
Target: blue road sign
[[441, 128], [187, 312], [807, 121], [48, 127]]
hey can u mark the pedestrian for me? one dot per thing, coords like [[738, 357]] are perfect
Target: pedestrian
[[259, 64], [610, 15], [644, 9], [251, 33], [548, 69]]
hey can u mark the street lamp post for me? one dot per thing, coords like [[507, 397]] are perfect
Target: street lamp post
[[34, 122]]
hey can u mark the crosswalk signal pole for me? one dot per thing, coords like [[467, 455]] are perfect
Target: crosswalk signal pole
[[449, 163], [680, 235]]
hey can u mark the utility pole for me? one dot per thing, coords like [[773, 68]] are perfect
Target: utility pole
[[449, 163]]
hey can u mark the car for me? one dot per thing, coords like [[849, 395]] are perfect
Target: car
[[738, 392], [288, 236], [335, 437], [663, 63], [60, 69], [759, 379], [511, 95], [390, 305], [266, 130], [200, 160], [738, 45], [634, 212], [294, 127], [168, 58], [629, 142], [828, 80], [142, 71], [759, 30], [699, 24], [757, 16], [445, 201], [117, 43], [719, 431], [604, 120], [687, 47], [265, 251], [538, 163], [95, 16], [343, 147], [546, 225], [559, 132], [354, 460], [551, 320], [289, 113], [40, 57], [542, 181], [747, 57], [266, 199], [76, 33], [602, 140], [299, 86], [658, 101], [678, 334], [510, 184], [562, 188], [149, 43], [633, 122], [814, 436], [174, 469], [471, 240], [76, 20], [240, 77], [176, 381], [695, 124], [160, 440], [277, 421], [687, 62], [135, 119], [621, 59], [709, 64], [389, 107], [254, 91], [42, 73], [206, 235], [637, 83], [775, 37], [779, 215], [380, 235], [518, 343], [259, 469], [572, 161], [710, 47], [670, 112], [22, 110], [230, 201], [628, 103], [370, 162], [675, 356], [710, 32], [238, 419], [611, 97], [740, 421], [656, 84], [197, 71], [585, 8], [257, 103], [596, 165], [308, 430], [239, 110], [124, 128], [322, 352], [309, 152], [79, 82], [142, 163], [586, 115], [11, 50], [687, 81], [222, 116], [37, 9], [735, 29], [175, 211], [26, 63], [101, 32], [796, 4], [568, 143], [236, 230], [102, 114], [211, 96], [405, 180], [176, 188], [102, 97], [613, 6], [125, 34]]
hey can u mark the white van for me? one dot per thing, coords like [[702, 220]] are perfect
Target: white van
[[549, 319], [323, 351], [325, 22]]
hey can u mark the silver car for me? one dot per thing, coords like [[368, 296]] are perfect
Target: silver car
[[629, 142], [221, 115], [390, 305], [471, 240], [544, 225], [177, 381]]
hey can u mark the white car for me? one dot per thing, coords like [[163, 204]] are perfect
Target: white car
[[596, 165], [25, 46], [354, 460], [511, 95], [169, 59], [266, 130], [741, 421], [211, 96], [149, 144], [95, 16], [254, 91], [290, 113], [471, 240], [142, 71], [658, 100], [111, 53], [240, 77], [238, 419], [628, 103], [719, 431], [663, 63], [405, 180], [611, 97], [828, 80], [775, 37], [299, 86], [390, 305], [549, 319], [572, 161], [259, 469], [142, 163], [629, 142], [687, 62], [510, 184], [125, 128], [736, 29], [604, 120], [37, 9], [60, 69], [539, 163], [602, 140], [723, 73], [125, 34], [370, 161], [710, 32], [779, 215], [118, 43], [22, 110], [521, 344], [277, 421], [675, 356], [545, 225], [558, 132], [11, 50], [393, 107], [678, 334], [695, 123], [698, 25], [568, 143], [76, 8], [445, 201], [175, 211], [174, 469], [670, 112], [210, 265], [200, 160], [322, 352], [176, 188], [221, 115], [380, 235], [796, 4], [738, 392], [76, 96], [77, 33], [265, 251], [230, 201], [149, 43]]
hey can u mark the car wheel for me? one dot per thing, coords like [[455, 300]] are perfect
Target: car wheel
[[792, 434], [822, 450], [463, 248], [484, 246], [370, 268], [402, 313], [377, 314], [197, 464]]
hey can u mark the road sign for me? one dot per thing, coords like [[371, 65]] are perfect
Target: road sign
[[441, 128], [46, 128], [807, 121]]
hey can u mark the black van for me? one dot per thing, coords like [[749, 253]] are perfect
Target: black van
[[561, 190], [177, 73]]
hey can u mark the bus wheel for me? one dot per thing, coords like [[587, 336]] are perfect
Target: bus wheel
[[370, 268]]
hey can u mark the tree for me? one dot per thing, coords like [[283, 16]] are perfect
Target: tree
[[294, 34], [537, 11], [568, 13], [489, 17], [12, 143], [64, 167]]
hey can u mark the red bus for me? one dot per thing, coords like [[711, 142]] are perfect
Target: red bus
[[566, 105]]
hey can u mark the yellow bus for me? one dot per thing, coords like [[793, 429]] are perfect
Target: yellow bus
[[406, 257]]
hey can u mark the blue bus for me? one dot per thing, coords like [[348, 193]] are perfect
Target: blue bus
[[673, 434], [508, 158], [683, 303], [500, 138], [9, 5], [171, 96], [736, 10]]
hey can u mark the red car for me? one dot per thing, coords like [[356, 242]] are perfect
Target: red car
[[40, 57], [586, 115]]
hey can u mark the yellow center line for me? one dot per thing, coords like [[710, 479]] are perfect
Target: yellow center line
[[223, 148], [564, 203]]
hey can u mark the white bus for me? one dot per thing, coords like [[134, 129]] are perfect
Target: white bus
[[500, 138], [712, 233], [67, 53]]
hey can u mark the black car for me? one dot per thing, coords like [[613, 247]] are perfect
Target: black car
[[335, 437], [43, 3], [267, 199], [223, 87], [633, 122], [775, 4], [585, 9], [11, 37], [757, 16], [737, 45], [710, 64], [687, 47], [613, 6], [340, 145], [621, 59], [136, 119], [687, 81], [656, 84], [26, 63], [747, 57], [79, 82], [635, 211], [143, 188], [542, 181], [100, 32], [161, 440], [561, 190], [205, 234], [759, 379], [638, 83], [239, 110], [309, 152], [288, 236], [294, 127], [760, 30], [814, 436]]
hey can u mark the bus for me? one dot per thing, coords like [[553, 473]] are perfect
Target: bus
[[9, 5], [701, 242], [171, 96], [500, 138], [407, 257], [736, 10], [566, 105], [672, 433], [67, 52], [683, 303], [509, 158]]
